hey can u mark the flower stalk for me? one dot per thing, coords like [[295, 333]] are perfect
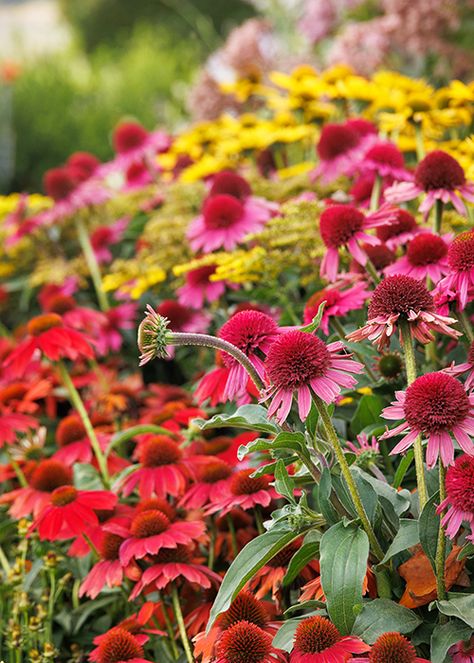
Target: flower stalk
[[92, 264], [440, 559], [181, 626]]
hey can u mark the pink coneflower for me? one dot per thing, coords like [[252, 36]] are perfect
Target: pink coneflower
[[171, 564], [162, 470], [364, 446], [426, 257], [244, 642], [212, 480], [392, 648], [340, 146], [386, 161], [70, 511], [48, 475], [401, 229], [81, 318], [434, 406], [441, 177], [152, 530], [120, 646], [460, 280], [459, 369], [338, 302], [361, 190], [224, 222], [317, 640], [252, 332], [379, 255], [199, 288], [462, 651], [83, 164], [300, 363], [345, 226], [104, 236], [117, 319], [231, 184], [183, 319], [137, 175], [132, 143], [108, 571], [460, 496], [48, 335], [402, 298], [245, 492]]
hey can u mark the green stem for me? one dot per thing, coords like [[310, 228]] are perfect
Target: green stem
[[438, 216], [76, 401], [181, 626], [4, 562], [259, 520], [441, 547], [410, 364], [370, 269], [52, 592], [466, 325], [18, 471], [341, 332], [376, 191], [420, 145], [92, 264], [169, 627], [233, 538], [212, 545], [333, 438]]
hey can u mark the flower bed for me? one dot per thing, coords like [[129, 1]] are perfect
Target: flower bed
[[283, 470]]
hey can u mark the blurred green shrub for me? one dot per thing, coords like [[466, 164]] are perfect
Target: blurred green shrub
[[67, 102]]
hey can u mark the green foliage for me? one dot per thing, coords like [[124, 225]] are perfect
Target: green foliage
[[66, 103]]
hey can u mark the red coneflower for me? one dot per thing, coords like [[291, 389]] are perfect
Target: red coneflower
[[84, 164], [171, 564], [212, 481], [244, 642], [69, 511], [392, 648], [59, 183], [48, 335], [245, 492], [270, 577], [441, 177], [119, 646], [460, 280], [317, 640], [460, 496], [162, 470], [401, 229], [345, 226], [434, 406], [11, 423], [299, 363], [152, 530], [48, 475], [426, 257], [108, 571], [213, 385], [402, 298]]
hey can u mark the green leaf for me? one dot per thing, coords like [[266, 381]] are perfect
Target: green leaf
[[283, 441], [467, 551], [305, 605], [343, 561], [368, 412], [129, 433], [286, 633], [316, 321], [284, 484], [250, 417], [303, 556], [446, 635], [403, 468], [367, 494], [406, 537], [87, 609], [249, 560], [428, 525], [460, 606], [399, 499], [86, 477], [323, 495], [382, 615]]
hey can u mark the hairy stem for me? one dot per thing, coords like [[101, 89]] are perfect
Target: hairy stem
[[441, 547]]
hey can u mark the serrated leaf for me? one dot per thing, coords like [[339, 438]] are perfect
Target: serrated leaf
[[249, 560], [344, 552], [446, 635], [460, 606], [406, 537], [428, 526], [249, 417], [382, 615]]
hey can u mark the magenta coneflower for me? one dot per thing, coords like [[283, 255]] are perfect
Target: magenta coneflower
[[224, 222], [426, 257], [212, 481], [317, 640], [386, 161], [402, 298], [300, 363], [252, 332], [171, 564], [401, 229], [244, 642], [379, 255], [441, 177], [199, 288], [338, 301], [345, 226], [460, 496], [246, 492], [231, 184], [462, 651], [108, 571], [392, 648], [104, 237], [152, 530], [459, 369], [434, 406], [181, 318], [132, 143], [460, 279], [340, 147]]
